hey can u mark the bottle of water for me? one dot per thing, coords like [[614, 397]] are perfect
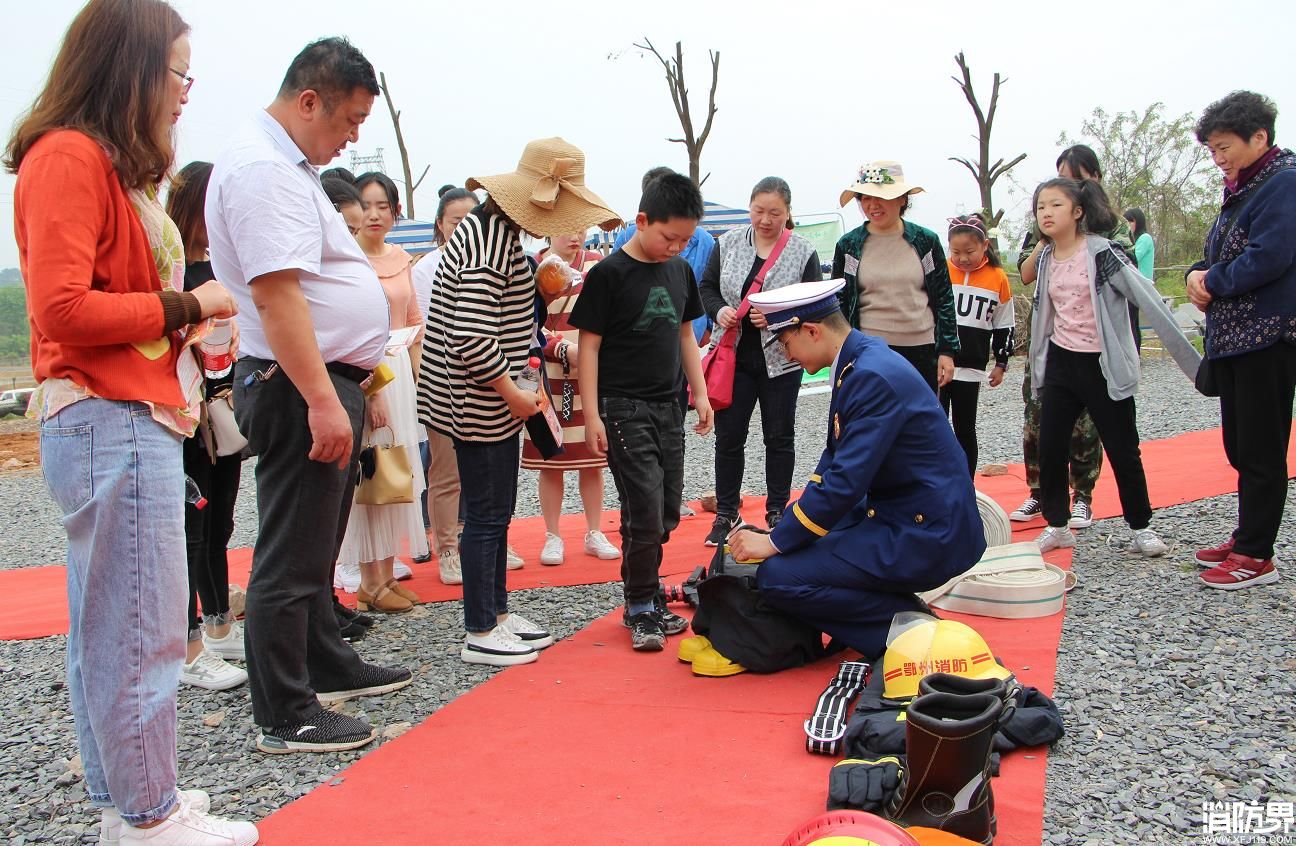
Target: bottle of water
[[215, 348], [529, 378], [194, 495]]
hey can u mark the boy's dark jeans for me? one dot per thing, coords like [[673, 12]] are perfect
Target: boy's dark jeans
[[646, 456], [488, 476]]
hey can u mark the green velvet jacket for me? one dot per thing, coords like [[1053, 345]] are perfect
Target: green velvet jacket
[[935, 279]]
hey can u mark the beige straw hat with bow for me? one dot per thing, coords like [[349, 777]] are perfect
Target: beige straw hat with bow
[[546, 195]]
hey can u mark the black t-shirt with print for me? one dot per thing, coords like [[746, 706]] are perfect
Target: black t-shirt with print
[[638, 307]]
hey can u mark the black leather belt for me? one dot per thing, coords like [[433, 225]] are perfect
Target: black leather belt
[[348, 371]]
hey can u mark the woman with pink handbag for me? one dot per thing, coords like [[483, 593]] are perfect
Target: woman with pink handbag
[[763, 256]]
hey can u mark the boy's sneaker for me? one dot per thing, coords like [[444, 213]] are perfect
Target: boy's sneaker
[[512, 560], [1055, 537], [324, 731], [686, 512], [499, 647], [597, 544], [672, 624], [553, 552], [346, 578], [450, 568], [212, 672], [1081, 515], [351, 632], [1216, 555], [526, 631], [1239, 572], [646, 632], [1148, 543], [229, 647], [772, 518], [401, 571], [372, 680], [111, 825], [720, 530], [1028, 510], [189, 827]]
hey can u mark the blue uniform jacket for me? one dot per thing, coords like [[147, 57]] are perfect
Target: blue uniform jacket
[[891, 497]]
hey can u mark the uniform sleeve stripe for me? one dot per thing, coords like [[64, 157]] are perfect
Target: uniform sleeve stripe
[[807, 522], [816, 478]]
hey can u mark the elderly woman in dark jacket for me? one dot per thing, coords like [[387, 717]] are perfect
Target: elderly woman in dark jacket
[[1246, 284]]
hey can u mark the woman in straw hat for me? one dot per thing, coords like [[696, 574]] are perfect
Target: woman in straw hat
[[897, 280], [480, 328]]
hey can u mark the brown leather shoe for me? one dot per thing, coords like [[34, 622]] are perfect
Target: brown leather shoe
[[384, 601], [403, 592]]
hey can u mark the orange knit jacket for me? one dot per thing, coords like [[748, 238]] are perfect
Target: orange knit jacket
[[90, 274]]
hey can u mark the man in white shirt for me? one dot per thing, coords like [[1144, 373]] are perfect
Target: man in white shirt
[[315, 326]]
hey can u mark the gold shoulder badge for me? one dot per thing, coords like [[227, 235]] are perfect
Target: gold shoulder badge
[[836, 426]]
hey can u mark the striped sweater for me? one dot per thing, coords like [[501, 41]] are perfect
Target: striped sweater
[[480, 326]]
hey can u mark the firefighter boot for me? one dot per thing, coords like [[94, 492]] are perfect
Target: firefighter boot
[[946, 783]]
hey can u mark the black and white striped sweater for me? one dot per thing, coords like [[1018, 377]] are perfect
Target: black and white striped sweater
[[480, 326]]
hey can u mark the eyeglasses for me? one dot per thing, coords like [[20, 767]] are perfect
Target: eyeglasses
[[188, 80]]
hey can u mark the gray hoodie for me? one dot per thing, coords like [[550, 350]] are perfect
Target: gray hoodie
[[1113, 283]]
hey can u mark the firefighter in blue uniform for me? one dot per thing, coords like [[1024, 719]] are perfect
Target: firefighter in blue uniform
[[890, 510]]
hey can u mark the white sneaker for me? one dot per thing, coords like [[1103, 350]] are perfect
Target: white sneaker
[[553, 553], [212, 672], [451, 568], [498, 647], [528, 632], [229, 647], [1055, 537], [512, 560], [597, 544], [346, 577], [189, 827], [401, 571], [110, 824], [1148, 542]]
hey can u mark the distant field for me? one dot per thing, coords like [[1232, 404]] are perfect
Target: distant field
[[16, 375]]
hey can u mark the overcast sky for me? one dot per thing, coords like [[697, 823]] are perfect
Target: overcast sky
[[808, 90]]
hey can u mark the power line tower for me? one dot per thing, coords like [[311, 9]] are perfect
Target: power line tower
[[363, 164]]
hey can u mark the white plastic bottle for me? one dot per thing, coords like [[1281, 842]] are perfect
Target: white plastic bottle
[[529, 378], [215, 348]]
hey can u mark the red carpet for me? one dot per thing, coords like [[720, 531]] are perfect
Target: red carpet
[[33, 600]]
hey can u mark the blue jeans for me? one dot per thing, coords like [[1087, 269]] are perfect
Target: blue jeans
[[646, 457], [488, 475], [116, 475]]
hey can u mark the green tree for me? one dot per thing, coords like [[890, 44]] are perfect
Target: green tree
[[10, 276], [1155, 163], [15, 339]]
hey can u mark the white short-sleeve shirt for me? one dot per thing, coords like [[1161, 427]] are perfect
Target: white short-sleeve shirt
[[267, 212]]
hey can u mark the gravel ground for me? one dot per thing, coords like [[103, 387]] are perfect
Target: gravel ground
[[1127, 770]]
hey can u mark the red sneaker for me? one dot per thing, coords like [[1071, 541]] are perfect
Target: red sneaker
[[1240, 571], [1216, 555]]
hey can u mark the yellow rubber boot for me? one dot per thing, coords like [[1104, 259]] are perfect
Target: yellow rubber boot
[[711, 663], [689, 648]]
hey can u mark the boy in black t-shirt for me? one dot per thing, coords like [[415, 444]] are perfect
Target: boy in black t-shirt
[[635, 314]]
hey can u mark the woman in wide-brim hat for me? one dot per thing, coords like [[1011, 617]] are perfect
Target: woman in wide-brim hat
[[479, 331], [897, 281]]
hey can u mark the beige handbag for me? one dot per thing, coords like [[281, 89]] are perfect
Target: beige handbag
[[386, 477], [225, 434]]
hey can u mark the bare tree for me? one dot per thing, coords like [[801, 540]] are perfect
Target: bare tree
[[983, 172], [410, 184], [692, 141]]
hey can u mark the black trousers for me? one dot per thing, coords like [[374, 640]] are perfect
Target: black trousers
[[1256, 391], [962, 398], [208, 530], [923, 358], [292, 638], [646, 457], [1073, 382], [778, 399]]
